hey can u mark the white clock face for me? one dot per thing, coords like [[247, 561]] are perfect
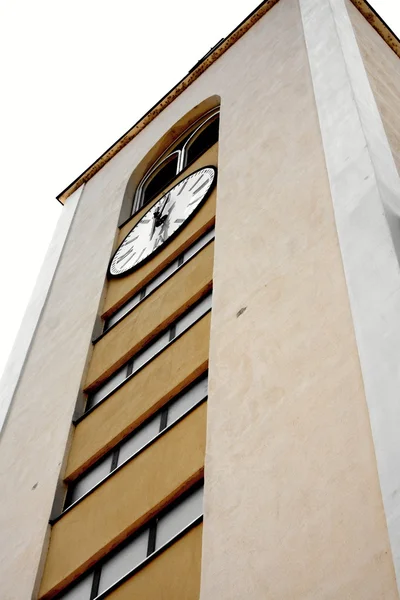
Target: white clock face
[[162, 221]]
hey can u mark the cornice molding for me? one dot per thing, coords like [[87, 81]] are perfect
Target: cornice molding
[[176, 91], [378, 24]]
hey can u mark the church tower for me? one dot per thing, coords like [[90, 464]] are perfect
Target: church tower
[[204, 398]]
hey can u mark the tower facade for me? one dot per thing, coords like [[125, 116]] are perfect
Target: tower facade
[[204, 398]]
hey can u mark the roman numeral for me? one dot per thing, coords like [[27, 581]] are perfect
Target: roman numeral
[[201, 187], [183, 187], [128, 255], [196, 182], [121, 267], [140, 255], [128, 241], [119, 258]]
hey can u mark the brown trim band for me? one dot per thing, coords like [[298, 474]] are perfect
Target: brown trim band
[[370, 14]]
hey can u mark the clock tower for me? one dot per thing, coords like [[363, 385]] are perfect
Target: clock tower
[[203, 401]]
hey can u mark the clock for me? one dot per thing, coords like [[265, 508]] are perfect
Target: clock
[[163, 221]]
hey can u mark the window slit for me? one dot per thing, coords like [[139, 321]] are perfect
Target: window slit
[[129, 369], [164, 419], [96, 582], [114, 461], [172, 332], [152, 538]]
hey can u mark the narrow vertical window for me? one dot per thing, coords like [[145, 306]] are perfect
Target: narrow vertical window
[[191, 145], [201, 140], [156, 181], [179, 517], [125, 560]]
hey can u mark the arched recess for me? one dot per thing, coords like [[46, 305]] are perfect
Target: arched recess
[[192, 135]]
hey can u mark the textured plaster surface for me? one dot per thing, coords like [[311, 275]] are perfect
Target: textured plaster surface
[[366, 198]]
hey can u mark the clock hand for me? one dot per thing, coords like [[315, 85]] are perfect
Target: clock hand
[[158, 213], [154, 225], [158, 219]]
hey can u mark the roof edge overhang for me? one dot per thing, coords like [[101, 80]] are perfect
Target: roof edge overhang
[[378, 24], [220, 48]]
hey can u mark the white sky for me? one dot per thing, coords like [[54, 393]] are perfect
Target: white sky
[[75, 76]]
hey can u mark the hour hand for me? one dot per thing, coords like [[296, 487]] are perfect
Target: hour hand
[[160, 218]]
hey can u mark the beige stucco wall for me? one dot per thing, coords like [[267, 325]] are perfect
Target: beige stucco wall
[[292, 493], [383, 69]]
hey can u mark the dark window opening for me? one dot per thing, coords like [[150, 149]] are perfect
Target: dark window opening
[[159, 181], [205, 139]]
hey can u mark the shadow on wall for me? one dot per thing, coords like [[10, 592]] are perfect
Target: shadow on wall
[[393, 220]]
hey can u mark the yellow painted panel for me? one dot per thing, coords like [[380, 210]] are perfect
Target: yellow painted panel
[[125, 501], [120, 290], [148, 319], [173, 575], [141, 396]]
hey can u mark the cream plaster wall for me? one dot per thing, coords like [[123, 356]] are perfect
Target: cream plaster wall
[[292, 494], [293, 508]]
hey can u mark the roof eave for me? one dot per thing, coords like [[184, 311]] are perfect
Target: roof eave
[[169, 97], [370, 14], [366, 10]]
